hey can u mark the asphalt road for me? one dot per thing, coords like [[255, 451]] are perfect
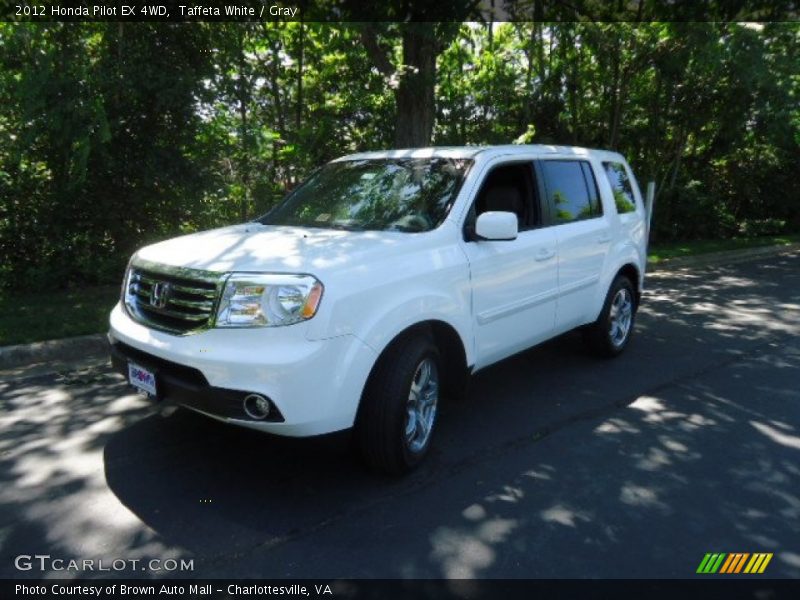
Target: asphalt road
[[556, 465]]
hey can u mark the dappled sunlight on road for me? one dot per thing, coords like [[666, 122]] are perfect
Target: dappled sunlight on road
[[51, 466], [463, 554], [672, 457], [563, 516], [644, 467], [727, 304], [790, 441]]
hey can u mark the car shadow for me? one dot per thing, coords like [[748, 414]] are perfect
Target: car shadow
[[213, 488]]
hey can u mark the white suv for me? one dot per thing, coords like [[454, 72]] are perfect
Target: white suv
[[380, 284]]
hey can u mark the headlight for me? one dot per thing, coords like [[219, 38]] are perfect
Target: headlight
[[253, 300]]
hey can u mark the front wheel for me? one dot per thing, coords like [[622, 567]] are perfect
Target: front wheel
[[610, 334], [399, 407]]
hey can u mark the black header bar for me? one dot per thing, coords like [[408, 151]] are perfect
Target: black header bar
[[398, 10]]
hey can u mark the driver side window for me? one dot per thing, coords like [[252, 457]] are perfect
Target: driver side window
[[509, 188]]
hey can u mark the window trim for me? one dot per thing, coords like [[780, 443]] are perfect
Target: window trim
[[588, 172]]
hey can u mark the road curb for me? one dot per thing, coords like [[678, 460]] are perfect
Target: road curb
[[723, 257], [84, 346]]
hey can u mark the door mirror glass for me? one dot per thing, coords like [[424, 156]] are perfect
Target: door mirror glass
[[497, 226]]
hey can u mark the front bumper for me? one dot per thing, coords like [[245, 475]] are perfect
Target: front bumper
[[315, 386], [188, 387]]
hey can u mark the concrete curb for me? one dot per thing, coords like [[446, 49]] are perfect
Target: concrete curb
[[74, 348], [96, 345], [723, 257]]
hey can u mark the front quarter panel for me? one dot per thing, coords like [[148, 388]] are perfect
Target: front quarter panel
[[425, 279]]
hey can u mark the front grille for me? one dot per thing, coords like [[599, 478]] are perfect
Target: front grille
[[177, 300]]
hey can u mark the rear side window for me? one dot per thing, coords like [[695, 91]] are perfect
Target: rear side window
[[621, 186], [571, 190]]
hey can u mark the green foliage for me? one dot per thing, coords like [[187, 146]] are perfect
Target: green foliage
[[113, 135], [676, 249], [102, 124]]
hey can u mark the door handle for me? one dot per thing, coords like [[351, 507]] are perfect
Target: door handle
[[544, 254], [604, 239]]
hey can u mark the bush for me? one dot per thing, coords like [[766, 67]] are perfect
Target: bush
[[690, 212], [762, 227]]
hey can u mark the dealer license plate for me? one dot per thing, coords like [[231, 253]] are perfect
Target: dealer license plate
[[142, 379]]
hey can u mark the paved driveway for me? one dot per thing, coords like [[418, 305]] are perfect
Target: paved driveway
[[556, 465]]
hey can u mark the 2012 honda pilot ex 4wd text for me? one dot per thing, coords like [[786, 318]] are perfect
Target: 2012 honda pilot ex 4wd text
[[378, 285]]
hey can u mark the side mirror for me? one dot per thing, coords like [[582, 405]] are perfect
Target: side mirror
[[497, 226]]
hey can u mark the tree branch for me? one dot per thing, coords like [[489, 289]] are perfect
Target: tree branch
[[378, 54]]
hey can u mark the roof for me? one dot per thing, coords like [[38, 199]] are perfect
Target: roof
[[484, 151]]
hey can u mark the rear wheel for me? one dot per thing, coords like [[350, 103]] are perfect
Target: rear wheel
[[399, 407], [610, 334]]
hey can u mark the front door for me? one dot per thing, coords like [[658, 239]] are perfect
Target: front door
[[514, 283]]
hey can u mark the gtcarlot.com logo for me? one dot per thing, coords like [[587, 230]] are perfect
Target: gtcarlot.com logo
[[735, 562], [45, 562]]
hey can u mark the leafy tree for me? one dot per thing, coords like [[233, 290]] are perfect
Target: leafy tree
[[113, 135]]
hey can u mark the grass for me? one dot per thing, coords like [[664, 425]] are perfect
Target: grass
[[33, 317], [660, 252]]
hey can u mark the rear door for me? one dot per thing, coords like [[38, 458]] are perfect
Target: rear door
[[583, 236]]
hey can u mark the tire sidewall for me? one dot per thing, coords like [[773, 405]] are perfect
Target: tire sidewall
[[381, 418], [604, 323]]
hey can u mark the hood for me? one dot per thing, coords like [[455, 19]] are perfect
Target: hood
[[271, 248]]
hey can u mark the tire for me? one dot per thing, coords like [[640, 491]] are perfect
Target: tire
[[399, 406], [610, 334]]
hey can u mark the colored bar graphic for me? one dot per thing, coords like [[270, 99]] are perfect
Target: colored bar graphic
[[717, 563], [703, 563], [711, 563], [727, 564], [765, 563], [740, 564], [755, 562], [734, 562]]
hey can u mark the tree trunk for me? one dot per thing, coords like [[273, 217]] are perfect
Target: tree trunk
[[613, 118], [570, 68], [529, 52], [244, 131], [299, 107], [461, 126], [414, 95], [416, 77], [490, 28], [543, 75], [273, 68]]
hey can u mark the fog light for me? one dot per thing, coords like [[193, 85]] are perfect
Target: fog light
[[256, 406]]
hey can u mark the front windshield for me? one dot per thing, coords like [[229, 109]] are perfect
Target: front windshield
[[397, 194]]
